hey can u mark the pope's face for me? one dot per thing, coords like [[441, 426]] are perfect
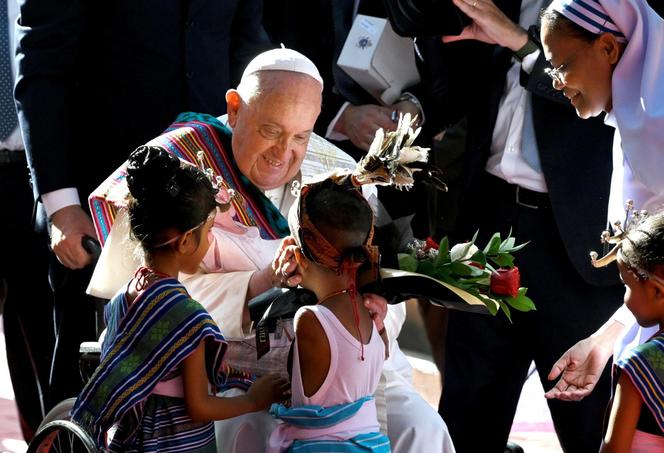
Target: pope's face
[[271, 133]]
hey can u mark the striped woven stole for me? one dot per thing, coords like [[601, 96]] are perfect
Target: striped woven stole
[[146, 342], [194, 132], [645, 366], [189, 134]]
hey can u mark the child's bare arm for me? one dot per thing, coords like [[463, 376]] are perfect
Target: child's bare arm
[[625, 412], [201, 406]]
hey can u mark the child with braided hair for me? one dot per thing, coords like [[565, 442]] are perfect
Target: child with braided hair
[[636, 422], [162, 351]]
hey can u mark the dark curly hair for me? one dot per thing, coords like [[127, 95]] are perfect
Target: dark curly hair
[[165, 195], [644, 246]]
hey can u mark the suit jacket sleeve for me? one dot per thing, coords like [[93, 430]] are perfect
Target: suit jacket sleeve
[[539, 83], [47, 47]]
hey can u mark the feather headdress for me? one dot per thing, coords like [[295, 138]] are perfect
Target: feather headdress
[[393, 160]]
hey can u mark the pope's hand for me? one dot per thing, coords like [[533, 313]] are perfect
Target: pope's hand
[[377, 307], [489, 25], [69, 225], [579, 369], [284, 265]]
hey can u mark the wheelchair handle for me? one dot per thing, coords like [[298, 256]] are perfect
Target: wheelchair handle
[[92, 246]]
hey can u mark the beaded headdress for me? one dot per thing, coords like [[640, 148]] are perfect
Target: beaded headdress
[[633, 218]]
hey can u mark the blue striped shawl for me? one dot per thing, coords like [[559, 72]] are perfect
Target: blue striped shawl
[[146, 341], [315, 417], [645, 366]]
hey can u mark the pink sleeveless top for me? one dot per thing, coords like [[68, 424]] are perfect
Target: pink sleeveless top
[[348, 379]]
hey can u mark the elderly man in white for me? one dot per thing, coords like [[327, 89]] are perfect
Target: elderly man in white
[[272, 113]]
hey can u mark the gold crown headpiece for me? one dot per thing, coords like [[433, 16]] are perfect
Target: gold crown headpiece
[[633, 218]]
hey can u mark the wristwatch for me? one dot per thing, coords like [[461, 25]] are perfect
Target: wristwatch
[[529, 47], [410, 97]]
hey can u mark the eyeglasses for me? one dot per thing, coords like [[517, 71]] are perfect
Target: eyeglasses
[[556, 74]]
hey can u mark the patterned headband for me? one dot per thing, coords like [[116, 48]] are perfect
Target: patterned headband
[[312, 242], [590, 15]]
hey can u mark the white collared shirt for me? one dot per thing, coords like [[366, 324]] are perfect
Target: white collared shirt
[[506, 160]]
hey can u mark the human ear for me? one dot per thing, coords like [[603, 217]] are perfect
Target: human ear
[[186, 245], [610, 47], [233, 101]]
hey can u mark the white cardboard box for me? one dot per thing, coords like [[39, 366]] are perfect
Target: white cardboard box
[[379, 60]]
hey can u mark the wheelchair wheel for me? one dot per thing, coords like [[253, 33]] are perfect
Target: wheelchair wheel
[[60, 436], [60, 411]]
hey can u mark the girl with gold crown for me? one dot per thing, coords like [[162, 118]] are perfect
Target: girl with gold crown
[[636, 423]]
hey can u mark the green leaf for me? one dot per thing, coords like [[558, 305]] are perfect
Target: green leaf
[[476, 271], [521, 302], [505, 309], [407, 262], [491, 304], [479, 257], [461, 269], [507, 244], [503, 260], [493, 245], [444, 248], [475, 236], [516, 248], [426, 267]]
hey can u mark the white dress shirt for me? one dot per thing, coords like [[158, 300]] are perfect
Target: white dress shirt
[[506, 160]]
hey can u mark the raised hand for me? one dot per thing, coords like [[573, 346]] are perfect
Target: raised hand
[[489, 25]]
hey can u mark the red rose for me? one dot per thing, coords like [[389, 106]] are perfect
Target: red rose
[[506, 282], [430, 244]]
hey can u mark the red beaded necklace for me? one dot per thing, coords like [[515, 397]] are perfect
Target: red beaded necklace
[[145, 276]]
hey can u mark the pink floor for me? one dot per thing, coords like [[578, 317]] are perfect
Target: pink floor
[[10, 432]]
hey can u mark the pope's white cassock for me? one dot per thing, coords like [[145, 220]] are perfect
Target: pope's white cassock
[[236, 252]]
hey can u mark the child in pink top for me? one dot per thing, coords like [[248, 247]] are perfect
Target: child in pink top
[[338, 352]]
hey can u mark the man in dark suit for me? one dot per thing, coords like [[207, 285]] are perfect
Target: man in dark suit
[[533, 167], [25, 299], [95, 80]]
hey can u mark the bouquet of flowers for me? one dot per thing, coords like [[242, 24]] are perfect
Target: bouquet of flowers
[[487, 276]]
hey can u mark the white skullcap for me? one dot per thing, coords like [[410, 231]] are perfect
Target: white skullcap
[[283, 60]]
